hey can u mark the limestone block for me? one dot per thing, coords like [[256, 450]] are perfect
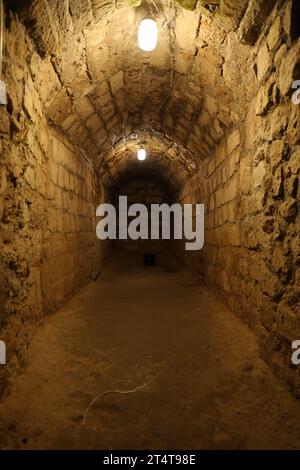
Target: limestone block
[[263, 62], [210, 105], [294, 162], [94, 123], [44, 139], [245, 175], [61, 177], [53, 171], [231, 188], [293, 131], [113, 124], [84, 108], [287, 16], [233, 162], [231, 210], [69, 121], [280, 54], [51, 190], [232, 235], [220, 154], [117, 82], [220, 197], [289, 69], [274, 35], [233, 141], [277, 183], [265, 98], [67, 185], [211, 166], [216, 130], [59, 109], [277, 153], [277, 125], [62, 224], [46, 81]]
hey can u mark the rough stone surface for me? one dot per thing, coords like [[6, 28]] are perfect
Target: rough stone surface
[[47, 199], [185, 328], [252, 204], [213, 106]]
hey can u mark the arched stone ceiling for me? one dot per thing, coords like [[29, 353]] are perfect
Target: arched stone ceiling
[[174, 162], [108, 96], [148, 171]]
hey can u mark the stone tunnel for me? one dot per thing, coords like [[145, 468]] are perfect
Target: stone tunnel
[[102, 350]]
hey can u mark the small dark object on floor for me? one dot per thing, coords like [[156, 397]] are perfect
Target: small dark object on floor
[[149, 260]]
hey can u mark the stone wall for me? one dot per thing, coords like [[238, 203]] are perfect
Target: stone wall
[[251, 191], [213, 106], [72, 255], [47, 205]]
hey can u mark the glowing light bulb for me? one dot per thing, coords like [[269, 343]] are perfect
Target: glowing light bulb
[[141, 154], [148, 35]]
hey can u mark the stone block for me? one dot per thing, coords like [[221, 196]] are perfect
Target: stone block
[[259, 173], [220, 200], [94, 123], [274, 35], [220, 154], [289, 69], [117, 82], [265, 97], [232, 237], [84, 108], [231, 188], [211, 166], [277, 153], [263, 62], [53, 172], [245, 175], [231, 209]]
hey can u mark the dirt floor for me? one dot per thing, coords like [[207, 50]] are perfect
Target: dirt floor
[[188, 369]]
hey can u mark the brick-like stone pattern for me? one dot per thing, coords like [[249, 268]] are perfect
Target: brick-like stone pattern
[[47, 205], [250, 187], [71, 250]]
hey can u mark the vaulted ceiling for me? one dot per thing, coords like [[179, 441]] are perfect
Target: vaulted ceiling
[[109, 97]]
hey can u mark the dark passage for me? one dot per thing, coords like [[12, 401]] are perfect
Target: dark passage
[[137, 341]]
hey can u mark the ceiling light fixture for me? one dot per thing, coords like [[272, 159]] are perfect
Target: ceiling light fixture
[[148, 35], [141, 155]]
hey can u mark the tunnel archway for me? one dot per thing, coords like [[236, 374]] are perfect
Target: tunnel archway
[[214, 107], [146, 184], [105, 89]]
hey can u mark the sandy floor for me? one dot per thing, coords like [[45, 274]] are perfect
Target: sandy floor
[[190, 367]]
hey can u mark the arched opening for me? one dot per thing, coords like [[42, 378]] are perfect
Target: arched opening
[[214, 105]]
